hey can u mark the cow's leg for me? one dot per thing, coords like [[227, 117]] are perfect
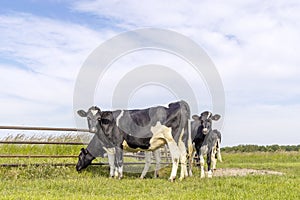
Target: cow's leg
[[147, 164], [214, 158], [111, 162], [183, 160], [162, 131], [202, 175], [157, 162], [119, 162], [219, 151], [197, 147], [175, 154], [190, 148], [214, 161], [209, 158], [191, 158], [219, 155]]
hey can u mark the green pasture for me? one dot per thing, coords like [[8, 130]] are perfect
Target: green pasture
[[48, 182]]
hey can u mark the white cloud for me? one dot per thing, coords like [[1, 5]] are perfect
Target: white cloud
[[39, 62], [259, 37], [33, 86], [47, 46]]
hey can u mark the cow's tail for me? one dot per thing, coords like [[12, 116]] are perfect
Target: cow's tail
[[186, 115]]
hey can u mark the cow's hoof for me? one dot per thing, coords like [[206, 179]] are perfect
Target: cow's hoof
[[181, 178], [156, 174], [172, 179], [202, 176], [116, 174], [209, 174]]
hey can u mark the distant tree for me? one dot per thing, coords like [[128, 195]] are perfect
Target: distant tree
[[256, 148]]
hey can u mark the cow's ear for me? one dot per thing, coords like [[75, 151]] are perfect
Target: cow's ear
[[82, 113], [84, 151], [216, 117], [196, 117]]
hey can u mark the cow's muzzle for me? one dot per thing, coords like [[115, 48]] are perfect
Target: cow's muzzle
[[78, 168], [93, 130], [205, 131]]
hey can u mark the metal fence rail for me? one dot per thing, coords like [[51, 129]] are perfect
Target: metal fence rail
[[42, 142], [62, 156], [71, 164], [34, 128], [38, 156], [54, 143]]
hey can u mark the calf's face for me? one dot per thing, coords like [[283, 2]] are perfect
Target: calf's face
[[206, 126], [84, 159], [93, 116], [205, 120]]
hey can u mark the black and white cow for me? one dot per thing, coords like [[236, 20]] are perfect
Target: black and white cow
[[95, 149], [145, 129], [206, 140]]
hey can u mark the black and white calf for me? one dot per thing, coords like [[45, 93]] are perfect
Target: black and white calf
[[95, 149], [145, 129], [206, 140]]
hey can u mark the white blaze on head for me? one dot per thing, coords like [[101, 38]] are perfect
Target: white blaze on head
[[94, 112], [208, 116]]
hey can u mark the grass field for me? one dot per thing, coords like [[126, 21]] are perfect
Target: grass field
[[48, 182]]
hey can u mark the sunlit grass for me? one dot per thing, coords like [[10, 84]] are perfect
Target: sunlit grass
[[49, 182]]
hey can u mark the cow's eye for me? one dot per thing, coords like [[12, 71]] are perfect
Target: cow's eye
[[105, 121]]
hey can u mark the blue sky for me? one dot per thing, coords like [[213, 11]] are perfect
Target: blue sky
[[254, 44]]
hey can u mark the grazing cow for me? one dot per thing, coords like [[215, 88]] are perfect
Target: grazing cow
[[206, 141], [95, 149], [145, 129]]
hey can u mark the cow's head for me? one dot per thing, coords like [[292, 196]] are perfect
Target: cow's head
[[205, 119], [84, 159], [93, 116]]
